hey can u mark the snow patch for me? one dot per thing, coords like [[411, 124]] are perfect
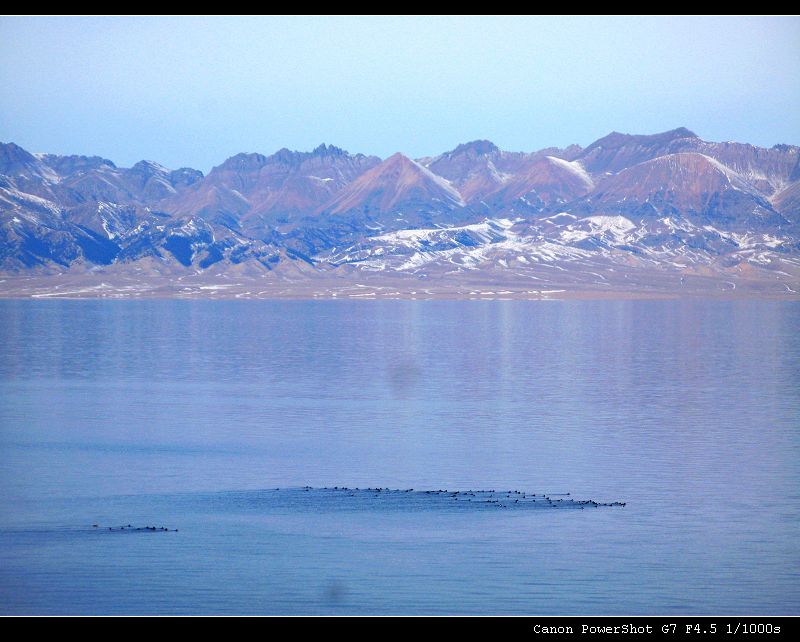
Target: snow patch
[[574, 167]]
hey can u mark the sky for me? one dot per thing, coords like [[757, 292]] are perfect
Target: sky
[[194, 91]]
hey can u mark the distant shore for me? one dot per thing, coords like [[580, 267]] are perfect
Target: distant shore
[[90, 286]]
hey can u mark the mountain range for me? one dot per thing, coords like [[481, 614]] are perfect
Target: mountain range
[[644, 215]]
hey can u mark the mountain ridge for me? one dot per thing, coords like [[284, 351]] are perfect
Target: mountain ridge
[[668, 201]]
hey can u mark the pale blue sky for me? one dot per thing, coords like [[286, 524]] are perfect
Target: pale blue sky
[[193, 91]]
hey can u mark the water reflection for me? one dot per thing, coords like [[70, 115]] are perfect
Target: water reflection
[[687, 410]]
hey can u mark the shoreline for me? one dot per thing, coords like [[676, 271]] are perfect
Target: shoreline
[[576, 295], [610, 286]]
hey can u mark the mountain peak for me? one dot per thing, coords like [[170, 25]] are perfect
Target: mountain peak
[[681, 132], [150, 167], [398, 158], [287, 156], [11, 152], [66, 165], [617, 139], [293, 157], [400, 164], [397, 184], [16, 161], [14, 149], [243, 161], [617, 151], [328, 150], [477, 147]]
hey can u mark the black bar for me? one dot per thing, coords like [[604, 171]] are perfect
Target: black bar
[[727, 627]]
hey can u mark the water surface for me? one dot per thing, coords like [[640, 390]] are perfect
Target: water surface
[[188, 414]]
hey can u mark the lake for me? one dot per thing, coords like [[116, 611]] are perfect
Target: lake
[[190, 414]]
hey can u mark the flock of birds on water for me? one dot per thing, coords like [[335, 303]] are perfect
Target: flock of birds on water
[[128, 527], [408, 498], [485, 498]]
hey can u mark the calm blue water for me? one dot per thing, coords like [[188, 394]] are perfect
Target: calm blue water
[[188, 414]]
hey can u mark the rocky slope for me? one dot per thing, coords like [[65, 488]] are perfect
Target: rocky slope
[[621, 213]]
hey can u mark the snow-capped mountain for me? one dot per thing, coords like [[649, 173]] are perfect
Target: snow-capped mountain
[[399, 192], [253, 194], [664, 213], [480, 168]]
